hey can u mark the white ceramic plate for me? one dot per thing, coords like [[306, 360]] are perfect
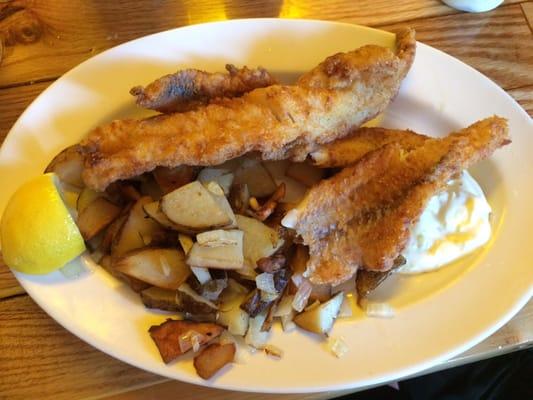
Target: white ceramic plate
[[438, 315]]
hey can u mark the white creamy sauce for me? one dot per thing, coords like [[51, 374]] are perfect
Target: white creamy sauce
[[454, 223]]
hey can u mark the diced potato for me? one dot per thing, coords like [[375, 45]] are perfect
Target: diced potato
[[259, 240], [186, 242], [233, 316], [367, 281], [170, 179], [167, 336], [294, 190], [255, 337], [276, 169], [218, 238], [284, 306], [239, 198], [136, 285], [162, 299], [136, 230], [193, 303], [193, 206], [86, 197], [111, 232], [96, 216], [223, 257], [320, 318], [256, 177], [213, 358], [305, 173], [68, 165], [164, 268], [153, 210]]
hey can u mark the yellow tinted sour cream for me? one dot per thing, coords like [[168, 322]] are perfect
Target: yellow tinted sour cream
[[454, 223]]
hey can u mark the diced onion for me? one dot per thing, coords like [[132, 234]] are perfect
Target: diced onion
[[337, 346], [273, 351], [346, 307], [377, 310], [265, 282], [190, 339], [202, 274], [302, 296], [268, 297]]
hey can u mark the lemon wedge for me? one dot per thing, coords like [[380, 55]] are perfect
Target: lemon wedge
[[37, 232]]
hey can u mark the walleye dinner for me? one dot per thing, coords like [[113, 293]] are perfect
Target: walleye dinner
[[246, 203]]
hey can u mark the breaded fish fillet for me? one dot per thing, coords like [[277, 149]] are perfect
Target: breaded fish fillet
[[279, 122], [188, 89], [362, 217], [352, 148]]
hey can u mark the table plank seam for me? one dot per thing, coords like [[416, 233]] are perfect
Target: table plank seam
[[29, 83]]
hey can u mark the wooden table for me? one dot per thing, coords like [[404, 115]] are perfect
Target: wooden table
[[42, 39]]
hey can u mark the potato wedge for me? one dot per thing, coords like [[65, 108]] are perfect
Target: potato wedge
[[193, 206], [255, 337], [136, 230], [170, 179], [320, 318], [218, 237], [162, 299], [213, 358], [135, 284], [232, 316], [68, 165], [239, 197], [256, 177], [167, 336], [86, 197], [111, 231], [164, 268], [259, 240], [229, 256], [305, 173], [153, 210], [96, 216], [193, 303]]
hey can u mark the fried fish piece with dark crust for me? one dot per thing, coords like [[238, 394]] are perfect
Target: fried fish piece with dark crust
[[278, 122], [190, 88], [362, 216]]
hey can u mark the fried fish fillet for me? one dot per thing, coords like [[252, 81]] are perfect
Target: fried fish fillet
[[361, 141], [362, 217], [278, 122], [188, 89]]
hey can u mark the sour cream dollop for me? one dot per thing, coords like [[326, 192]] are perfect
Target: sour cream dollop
[[454, 223]]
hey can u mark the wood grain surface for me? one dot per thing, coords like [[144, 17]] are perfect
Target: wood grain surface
[[42, 360], [42, 39]]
